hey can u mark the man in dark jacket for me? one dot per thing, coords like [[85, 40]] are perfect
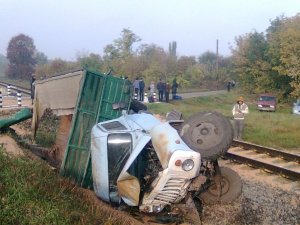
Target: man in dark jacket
[[174, 88], [142, 89], [160, 88], [167, 93], [32, 87]]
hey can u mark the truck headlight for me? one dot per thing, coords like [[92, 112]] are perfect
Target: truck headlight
[[272, 106], [260, 106], [188, 165]]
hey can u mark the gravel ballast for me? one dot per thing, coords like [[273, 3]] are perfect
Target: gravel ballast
[[263, 201]]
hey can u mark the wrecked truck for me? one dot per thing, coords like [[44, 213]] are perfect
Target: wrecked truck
[[141, 160], [134, 159]]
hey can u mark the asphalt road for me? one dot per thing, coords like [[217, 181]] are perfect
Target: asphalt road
[[200, 94]]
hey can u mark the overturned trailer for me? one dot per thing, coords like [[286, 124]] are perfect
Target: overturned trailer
[[81, 99]]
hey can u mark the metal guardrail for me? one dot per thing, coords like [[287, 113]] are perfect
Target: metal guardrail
[[16, 88]]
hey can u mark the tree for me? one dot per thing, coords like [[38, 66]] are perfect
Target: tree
[[123, 46], [154, 59], [250, 60], [270, 63], [281, 83], [20, 54], [54, 67], [117, 54], [111, 52], [126, 41], [172, 48], [209, 60], [289, 50], [40, 58], [91, 61], [3, 64]]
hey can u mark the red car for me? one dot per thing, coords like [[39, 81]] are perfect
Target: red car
[[266, 102]]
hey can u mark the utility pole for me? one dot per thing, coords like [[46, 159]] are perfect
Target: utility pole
[[217, 63]]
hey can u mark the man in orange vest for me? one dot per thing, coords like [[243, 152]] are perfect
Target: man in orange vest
[[239, 110]]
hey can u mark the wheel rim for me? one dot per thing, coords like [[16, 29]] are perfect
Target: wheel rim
[[205, 135], [214, 190]]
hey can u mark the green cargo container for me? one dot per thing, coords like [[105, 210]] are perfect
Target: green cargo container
[[97, 94]]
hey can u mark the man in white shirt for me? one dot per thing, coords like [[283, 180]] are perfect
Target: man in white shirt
[[239, 110]]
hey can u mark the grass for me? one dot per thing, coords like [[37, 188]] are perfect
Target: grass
[[47, 129], [31, 193], [279, 130]]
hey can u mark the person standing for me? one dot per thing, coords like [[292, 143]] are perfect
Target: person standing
[[136, 87], [228, 86], [168, 88], [151, 91], [163, 91], [32, 88], [160, 89], [142, 89], [239, 110], [174, 88]]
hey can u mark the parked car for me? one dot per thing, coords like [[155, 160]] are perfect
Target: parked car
[[266, 102], [296, 108]]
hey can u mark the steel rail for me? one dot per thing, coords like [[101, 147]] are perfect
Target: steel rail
[[270, 151], [290, 174], [16, 88]]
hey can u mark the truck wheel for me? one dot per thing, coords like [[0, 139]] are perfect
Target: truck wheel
[[231, 184], [209, 133]]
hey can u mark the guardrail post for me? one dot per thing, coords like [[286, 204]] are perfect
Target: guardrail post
[[146, 97], [8, 89], [19, 96], [154, 97], [1, 99]]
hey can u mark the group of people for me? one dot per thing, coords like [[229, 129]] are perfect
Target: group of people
[[240, 109], [163, 89], [139, 88]]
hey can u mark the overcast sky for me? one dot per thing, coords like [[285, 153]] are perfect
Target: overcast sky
[[62, 28]]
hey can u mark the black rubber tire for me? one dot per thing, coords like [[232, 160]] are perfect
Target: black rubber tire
[[136, 106], [209, 133], [231, 188]]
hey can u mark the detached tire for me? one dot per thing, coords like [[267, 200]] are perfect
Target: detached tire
[[231, 184], [209, 133], [136, 106]]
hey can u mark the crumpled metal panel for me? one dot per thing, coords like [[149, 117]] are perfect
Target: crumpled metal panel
[[23, 114]]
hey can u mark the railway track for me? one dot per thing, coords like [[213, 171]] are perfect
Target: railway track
[[15, 88], [269, 159]]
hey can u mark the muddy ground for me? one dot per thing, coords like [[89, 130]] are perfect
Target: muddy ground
[[265, 199]]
